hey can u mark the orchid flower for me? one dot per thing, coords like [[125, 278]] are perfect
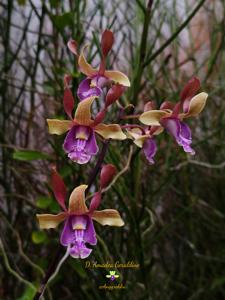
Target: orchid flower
[[171, 117], [144, 138], [78, 228], [80, 142], [97, 78]]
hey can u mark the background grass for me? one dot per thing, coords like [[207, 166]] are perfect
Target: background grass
[[174, 210]]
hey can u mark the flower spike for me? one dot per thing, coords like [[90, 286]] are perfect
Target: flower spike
[[78, 229]]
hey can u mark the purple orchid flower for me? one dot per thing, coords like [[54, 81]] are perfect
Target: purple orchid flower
[[144, 138], [78, 232], [171, 116], [80, 142], [97, 79]]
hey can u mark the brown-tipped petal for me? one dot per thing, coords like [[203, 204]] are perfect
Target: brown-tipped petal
[[112, 131], [153, 117], [84, 66], [72, 45], [47, 221], [107, 42], [77, 200], [58, 126], [83, 112], [107, 174], [118, 77], [109, 217], [196, 105]]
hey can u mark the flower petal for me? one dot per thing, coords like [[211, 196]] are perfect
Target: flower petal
[[197, 103], [72, 45], [47, 221], [89, 233], [190, 89], [68, 102], [59, 188], [150, 149], [67, 234], [57, 126], [85, 90], [118, 77], [107, 174], [91, 144], [139, 141], [152, 117], [114, 94], [111, 131], [109, 217], [83, 112], [84, 66], [77, 200], [107, 42]]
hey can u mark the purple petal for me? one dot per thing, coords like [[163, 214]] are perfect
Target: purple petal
[[89, 234], [181, 132], [78, 231], [67, 235], [80, 251], [85, 90], [150, 149], [100, 81], [91, 145], [80, 144]]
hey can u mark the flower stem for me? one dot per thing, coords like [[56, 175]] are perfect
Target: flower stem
[[52, 276], [56, 264]]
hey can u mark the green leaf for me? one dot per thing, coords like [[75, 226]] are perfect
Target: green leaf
[[27, 155], [43, 202], [39, 237], [64, 20]]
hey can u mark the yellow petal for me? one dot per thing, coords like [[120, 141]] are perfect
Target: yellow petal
[[77, 200], [133, 133], [83, 112], [152, 117], [140, 140], [111, 131], [118, 77], [109, 217], [47, 221], [84, 66], [58, 126], [196, 105]]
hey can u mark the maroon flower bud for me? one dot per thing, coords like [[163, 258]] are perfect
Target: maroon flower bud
[[68, 102], [114, 93], [107, 42], [107, 174]]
